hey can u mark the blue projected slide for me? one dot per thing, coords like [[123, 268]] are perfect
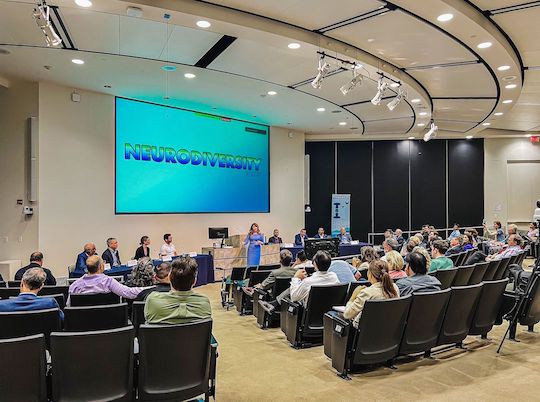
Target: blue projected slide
[[171, 160]]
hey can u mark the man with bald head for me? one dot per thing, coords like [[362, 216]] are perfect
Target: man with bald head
[[80, 265]]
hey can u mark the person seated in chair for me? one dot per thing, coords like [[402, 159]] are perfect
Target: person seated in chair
[[111, 255], [36, 261], [468, 242], [455, 246], [302, 260], [285, 271], [438, 254], [32, 282], [345, 272], [275, 239], [161, 280], [300, 238], [455, 232], [399, 237], [382, 287], [181, 304], [395, 265], [417, 281], [343, 236], [389, 245], [320, 234], [514, 247], [80, 265]]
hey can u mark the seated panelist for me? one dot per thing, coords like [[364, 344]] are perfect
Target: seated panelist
[[80, 265], [275, 239], [111, 255], [344, 237], [320, 234], [300, 238], [143, 250]]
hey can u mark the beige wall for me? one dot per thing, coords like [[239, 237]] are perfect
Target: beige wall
[[77, 186], [497, 154], [18, 234]]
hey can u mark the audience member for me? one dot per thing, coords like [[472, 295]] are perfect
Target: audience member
[[300, 238], [455, 245], [284, 271], [167, 249], [417, 281], [111, 255], [142, 274], [424, 252], [275, 238], [399, 237], [533, 231], [302, 260], [143, 250], [343, 236], [514, 247], [36, 261], [411, 244], [455, 232], [32, 282], [320, 234], [95, 281], [161, 279], [395, 264], [80, 265], [181, 304], [497, 233], [389, 245], [467, 242], [388, 234], [345, 272], [367, 254], [439, 260], [381, 288]]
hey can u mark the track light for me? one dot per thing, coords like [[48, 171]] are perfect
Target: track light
[[41, 15], [349, 86], [381, 88], [323, 69], [432, 133], [396, 101]]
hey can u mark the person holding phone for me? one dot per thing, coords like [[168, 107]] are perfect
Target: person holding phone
[[254, 240]]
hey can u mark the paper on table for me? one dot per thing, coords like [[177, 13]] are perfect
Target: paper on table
[[355, 242], [131, 263], [107, 266], [167, 258]]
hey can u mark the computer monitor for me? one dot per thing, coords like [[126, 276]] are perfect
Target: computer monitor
[[218, 233], [330, 244]]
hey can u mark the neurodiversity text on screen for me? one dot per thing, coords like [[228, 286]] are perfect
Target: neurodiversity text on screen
[[143, 152]]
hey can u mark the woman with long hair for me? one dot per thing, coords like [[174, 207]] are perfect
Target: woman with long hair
[[395, 265], [142, 274], [382, 287], [143, 250], [254, 240]]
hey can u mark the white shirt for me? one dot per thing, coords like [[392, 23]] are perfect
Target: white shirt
[[300, 288], [167, 250]]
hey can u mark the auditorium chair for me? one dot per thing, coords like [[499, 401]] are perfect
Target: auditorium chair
[[14, 284], [95, 318], [488, 306], [54, 290], [478, 273], [94, 366], [237, 276], [491, 270], [463, 275], [24, 323], [137, 315], [462, 257], [268, 267], [424, 322], [59, 299], [6, 293], [459, 314], [2, 284], [264, 319], [526, 310], [502, 269], [353, 286], [23, 369], [454, 258], [303, 326], [446, 277], [93, 299], [242, 300], [377, 339], [185, 373]]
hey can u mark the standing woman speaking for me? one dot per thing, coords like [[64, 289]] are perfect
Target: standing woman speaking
[[254, 240]]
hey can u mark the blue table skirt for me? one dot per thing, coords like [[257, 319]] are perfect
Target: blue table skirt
[[205, 273], [344, 249]]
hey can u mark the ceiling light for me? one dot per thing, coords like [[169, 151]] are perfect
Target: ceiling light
[[272, 93], [416, 100], [484, 45], [396, 101], [349, 86], [293, 45], [510, 86], [342, 123], [83, 3], [320, 109], [469, 137], [421, 124], [381, 89], [77, 61], [168, 68], [203, 24], [432, 133], [503, 68], [371, 40], [189, 76], [41, 15], [423, 114], [445, 17], [486, 124], [498, 114], [507, 101], [411, 138], [323, 69]]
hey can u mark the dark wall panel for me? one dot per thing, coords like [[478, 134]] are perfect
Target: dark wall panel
[[466, 182], [391, 184], [322, 166], [354, 178], [428, 183]]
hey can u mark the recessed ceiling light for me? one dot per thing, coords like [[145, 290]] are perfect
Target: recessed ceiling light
[[416, 100], [342, 123], [272, 93], [77, 61], [498, 114], [486, 124], [469, 137], [320, 109], [203, 24], [445, 17], [83, 3], [168, 68], [510, 86], [503, 68], [411, 138], [371, 40], [189, 76], [484, 45], [293, 45], [421, 124], [507, 101], [395, 84], [422, 114]]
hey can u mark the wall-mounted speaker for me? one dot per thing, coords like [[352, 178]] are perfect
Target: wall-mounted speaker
[[32, 159]]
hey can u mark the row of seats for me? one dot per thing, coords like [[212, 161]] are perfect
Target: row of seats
[[461, 258]]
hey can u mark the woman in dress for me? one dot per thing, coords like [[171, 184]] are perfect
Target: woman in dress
[[254, 240]]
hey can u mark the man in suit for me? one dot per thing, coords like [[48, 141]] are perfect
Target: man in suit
[[80, 265], [36, 261], [32, 282], [344, 237], [320, 234], [300, 238], [275, 238], [285, 271], [111, 256]]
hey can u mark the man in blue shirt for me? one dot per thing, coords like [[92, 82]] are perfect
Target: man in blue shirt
[[345, 272], [80, 265], [32, 282]]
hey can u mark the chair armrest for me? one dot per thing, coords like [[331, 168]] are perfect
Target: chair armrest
[[261, 292], [340, 325], [291, 307]]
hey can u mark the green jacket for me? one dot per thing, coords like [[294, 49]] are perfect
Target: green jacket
[[176, 307], [441, 263]]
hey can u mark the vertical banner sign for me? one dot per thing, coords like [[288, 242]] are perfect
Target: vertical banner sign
[[341, 212]]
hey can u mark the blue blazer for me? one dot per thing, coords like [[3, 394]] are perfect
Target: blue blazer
[[80, 265], [298, 239], [29, 301]]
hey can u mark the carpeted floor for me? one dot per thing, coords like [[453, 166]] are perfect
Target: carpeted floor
[[257, 365]]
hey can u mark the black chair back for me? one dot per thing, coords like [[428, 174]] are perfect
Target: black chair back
[[459, 314], [93, 299], [268, 267], [309, 270], [478, 273], [454, 258], [248, 271], [54, 290], [256, 277], [75, 356], [137, 314], [6, 293], [501, 269], [184, 373], [320, 300], [59, 299], [446, 277], [23, 379], [514, 258], [24, 323], [461, 259], [463, 275], [95, 318], [489, 304], [424, 321], [380, 330], [2, 284], [353, 286], [280, 285], [237, 273], [491, 270], [14, 284], [521, 258], [530, 314]]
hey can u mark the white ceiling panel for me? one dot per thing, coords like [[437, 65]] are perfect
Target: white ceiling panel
[[368, 111], [524, 28], [468, 80], [393, 126], [494, 4], [473, 110], [317, 14], [18, 26], [455, 126], [188, 45], [403, 40]]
